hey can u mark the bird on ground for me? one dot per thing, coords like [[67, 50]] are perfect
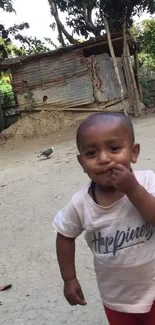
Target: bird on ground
[[46, 153]]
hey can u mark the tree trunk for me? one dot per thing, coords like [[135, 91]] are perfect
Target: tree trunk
[[115, 63]]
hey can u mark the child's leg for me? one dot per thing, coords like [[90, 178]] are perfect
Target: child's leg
[[118, 318]]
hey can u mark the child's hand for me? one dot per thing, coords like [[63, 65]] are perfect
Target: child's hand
[[123, 179], [73, 293]]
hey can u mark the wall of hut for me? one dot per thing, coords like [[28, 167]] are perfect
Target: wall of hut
[[68, 81]]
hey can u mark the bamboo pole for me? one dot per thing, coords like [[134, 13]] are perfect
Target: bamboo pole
[[115, 63], [137, 100], [127, 72], [138, 74], [137, 66], [129, 87]]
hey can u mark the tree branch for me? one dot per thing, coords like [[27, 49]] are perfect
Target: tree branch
[[87, 14], [61, 28], [54, 11], [61, 39]]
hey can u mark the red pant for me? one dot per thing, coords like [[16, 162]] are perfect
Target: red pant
[[118, 318]]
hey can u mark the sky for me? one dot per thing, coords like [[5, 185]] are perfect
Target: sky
[[37, 14], [34, 12]]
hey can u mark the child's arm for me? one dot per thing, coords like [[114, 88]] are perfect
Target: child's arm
[[144, 202], [125, 181], [66, 259]]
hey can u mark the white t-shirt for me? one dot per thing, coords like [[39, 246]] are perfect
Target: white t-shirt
[[122, 243]]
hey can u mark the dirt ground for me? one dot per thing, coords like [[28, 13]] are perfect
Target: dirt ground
[[32, 190]]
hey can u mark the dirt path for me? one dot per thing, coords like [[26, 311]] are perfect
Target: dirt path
[[32, 190]]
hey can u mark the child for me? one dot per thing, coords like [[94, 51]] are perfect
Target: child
[[117, 212]]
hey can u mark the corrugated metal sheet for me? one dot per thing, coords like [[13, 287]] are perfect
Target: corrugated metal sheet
[[65, 80], [68, 81], [106, 87], [26, 76], [101, 41]]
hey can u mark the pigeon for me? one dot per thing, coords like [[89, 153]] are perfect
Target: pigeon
[[46, 153]]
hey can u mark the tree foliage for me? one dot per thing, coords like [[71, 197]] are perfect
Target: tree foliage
[[32, 45], [7, 36], [145, 36], [85, 17], [6, 46], [28, 45], [7, 5]]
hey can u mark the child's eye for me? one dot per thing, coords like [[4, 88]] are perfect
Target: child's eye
[[91, 153], [115, 149]]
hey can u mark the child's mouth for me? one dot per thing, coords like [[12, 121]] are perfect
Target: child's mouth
[[107, 171]]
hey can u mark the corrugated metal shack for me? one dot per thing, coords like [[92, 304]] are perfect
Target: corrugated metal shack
[[76, 78]]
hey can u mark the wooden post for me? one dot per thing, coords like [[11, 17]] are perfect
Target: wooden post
[[138, 74], [127, 72], [136, 95], [115, 63], [129, 86]]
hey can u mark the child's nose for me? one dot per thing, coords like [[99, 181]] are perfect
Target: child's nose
[[104, 157]]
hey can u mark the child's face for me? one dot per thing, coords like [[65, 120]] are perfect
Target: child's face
[[103, 146]]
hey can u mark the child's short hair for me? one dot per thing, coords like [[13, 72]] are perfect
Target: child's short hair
[[105, 116]]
